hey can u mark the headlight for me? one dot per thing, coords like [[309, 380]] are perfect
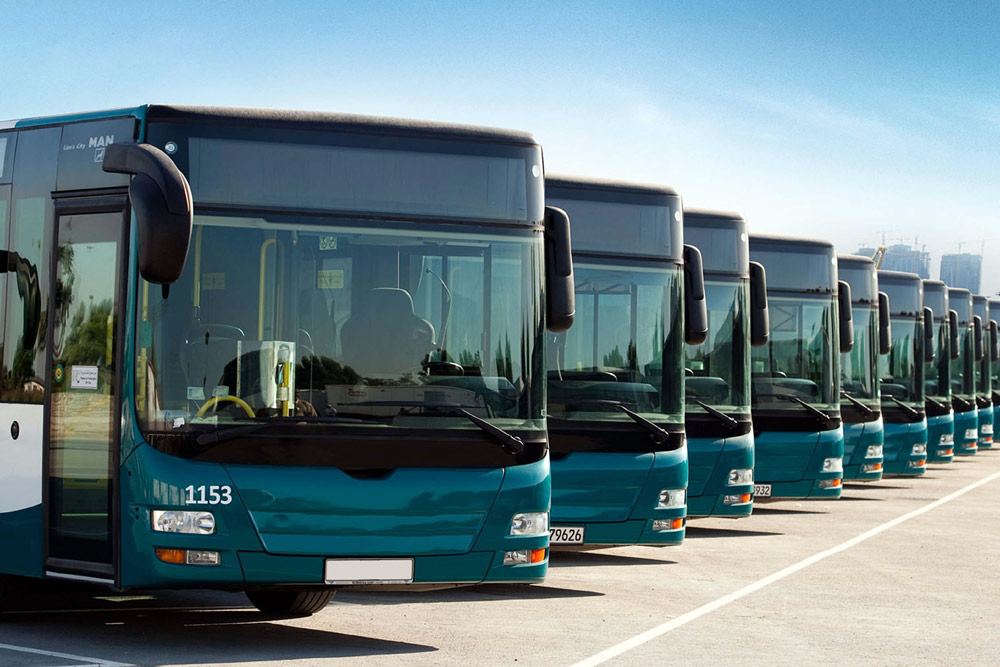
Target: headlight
[[180, 521], [919, 449], [833, 465], [670, 498], [947, 439], [874, 452], [740, 476], [972, 434], [530, 523]]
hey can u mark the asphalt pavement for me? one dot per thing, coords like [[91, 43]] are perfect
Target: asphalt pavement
[[895, 572]]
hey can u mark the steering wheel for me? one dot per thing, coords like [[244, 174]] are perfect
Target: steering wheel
[[218, 399]]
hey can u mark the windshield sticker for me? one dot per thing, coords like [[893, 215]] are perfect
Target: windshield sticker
[[328, 243], [213, 281], [332, 279], [196, 393], [83, 377], [221, 391]]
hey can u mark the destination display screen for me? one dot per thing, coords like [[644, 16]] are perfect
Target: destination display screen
[[624, 228]]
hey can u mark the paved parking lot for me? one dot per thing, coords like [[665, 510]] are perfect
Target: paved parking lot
[[897, 572]]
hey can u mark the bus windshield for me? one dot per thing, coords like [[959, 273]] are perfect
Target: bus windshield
[[716, 370], [798, 363], [901, 372], [936, 383], [858, 367], [625, 334], [285, 316]]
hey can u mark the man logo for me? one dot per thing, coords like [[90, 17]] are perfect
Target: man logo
[[102, 141]]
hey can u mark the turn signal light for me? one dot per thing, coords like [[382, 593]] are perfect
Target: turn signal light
[[537, 555], [175, 556]]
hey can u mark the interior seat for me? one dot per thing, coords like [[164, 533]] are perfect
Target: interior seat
[[384, 335]]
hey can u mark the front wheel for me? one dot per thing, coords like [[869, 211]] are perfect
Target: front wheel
[[291, 603]]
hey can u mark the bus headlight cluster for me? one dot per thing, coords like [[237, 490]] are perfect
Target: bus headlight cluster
[[947, 439], [524, 557], [182, 521], [972, 434], [670, 498], [740, 476], [919, 449], [526, 524], [874, 452], [833, 465]]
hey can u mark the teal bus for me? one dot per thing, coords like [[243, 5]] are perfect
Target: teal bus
[[937, 377], [963, 388], [615, 379], [984, 374], [717, 372], [860, 405], [901, 374], [994, 311], [274, 351], [795, 378]]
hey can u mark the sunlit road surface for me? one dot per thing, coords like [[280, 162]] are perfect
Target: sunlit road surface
[[889, 574]]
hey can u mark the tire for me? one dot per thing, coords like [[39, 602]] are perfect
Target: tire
[[291, 603]]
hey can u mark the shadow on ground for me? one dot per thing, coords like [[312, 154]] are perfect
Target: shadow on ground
[[699, 532], [171, 627]]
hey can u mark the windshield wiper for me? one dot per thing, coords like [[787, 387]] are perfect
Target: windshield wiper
[[816, 412], [858, 404], [939, 404], [967, 404], [510, 443], [721, 416], [660, 436], [213, 437], [903, 405]]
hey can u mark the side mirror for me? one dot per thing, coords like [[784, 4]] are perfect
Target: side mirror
[[695, 303], [977, 334], [884, 324], [928, 335], [560, 292], [760, 321], [994, 342], [956, 351], [26, 275], [164, 210], [846, 316]]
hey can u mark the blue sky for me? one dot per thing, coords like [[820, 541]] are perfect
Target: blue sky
[[831, 119]]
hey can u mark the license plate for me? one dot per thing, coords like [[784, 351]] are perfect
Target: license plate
[[566, 535], [762, 490], [344, 571]]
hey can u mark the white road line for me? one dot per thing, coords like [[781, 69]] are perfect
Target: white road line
[[684, 619], [77, 659]]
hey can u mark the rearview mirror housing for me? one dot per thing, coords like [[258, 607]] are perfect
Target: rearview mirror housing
[[846, 316], [928, 335], [977, 334], [884, 324], [560, 290], [994, 343], [760, 321], [695, 305], [956, 352], [163, 208]]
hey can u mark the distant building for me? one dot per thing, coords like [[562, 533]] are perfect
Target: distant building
[[901, 257], [962, 270]]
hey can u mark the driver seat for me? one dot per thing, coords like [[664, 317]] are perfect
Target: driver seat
[[385, 336]]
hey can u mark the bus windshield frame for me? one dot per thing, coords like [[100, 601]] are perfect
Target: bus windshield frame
[[457, 279]]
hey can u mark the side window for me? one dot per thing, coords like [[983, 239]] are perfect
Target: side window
[[7, 142], [4, 229], [30, 251]]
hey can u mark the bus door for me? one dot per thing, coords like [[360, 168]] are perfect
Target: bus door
[[83, 402]]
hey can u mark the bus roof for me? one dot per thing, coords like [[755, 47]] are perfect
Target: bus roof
[[934, 284], [789, 241], [614, 185], [289, 119], [899, 277], [709, 215], [856, 260], [340, 122]]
